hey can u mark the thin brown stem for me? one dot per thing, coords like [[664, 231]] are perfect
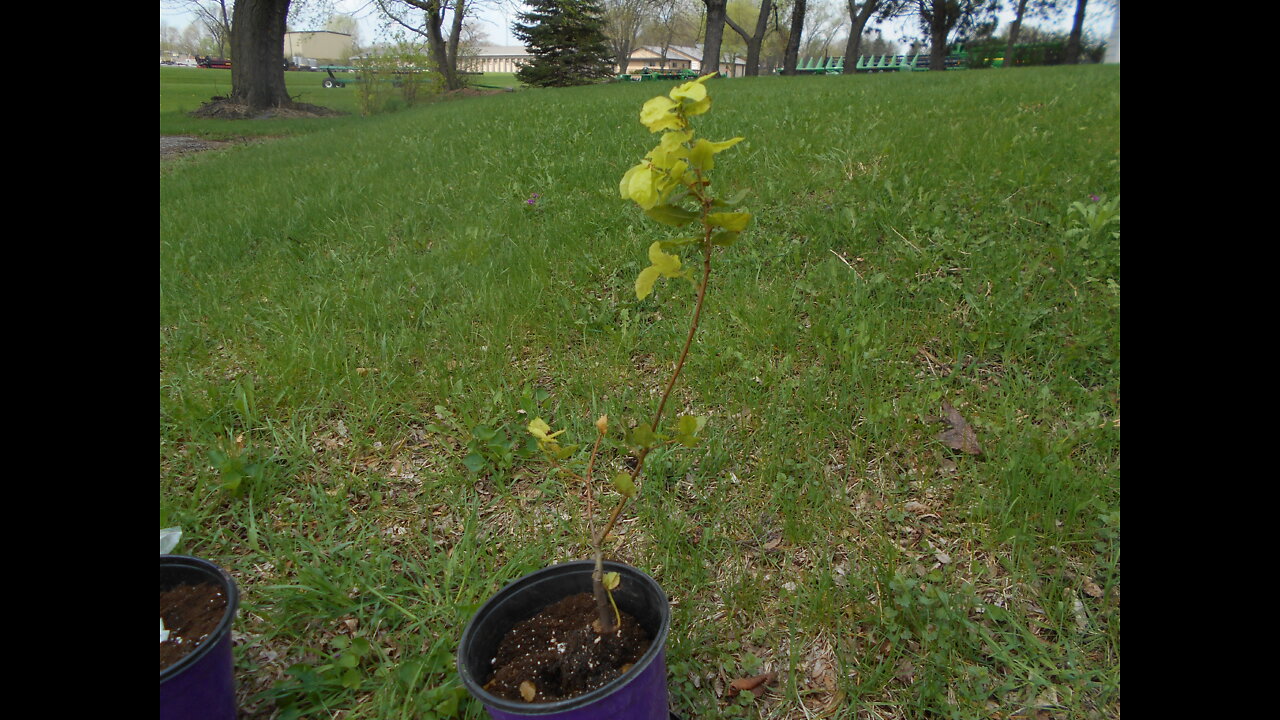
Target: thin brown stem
[[597, 575], [591, 512]]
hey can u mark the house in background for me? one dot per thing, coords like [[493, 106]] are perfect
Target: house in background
[[318, 47], [508, 59], [677, 57], [493, 58]]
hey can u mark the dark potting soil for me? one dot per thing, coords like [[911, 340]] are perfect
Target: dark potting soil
[[560, 654], [190, 613]]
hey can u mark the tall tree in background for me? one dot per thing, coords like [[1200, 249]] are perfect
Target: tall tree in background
[[755, 40], [714, 37], [347, 25], [622, 21], [215, 16], [938, 18], [1015, 28], [443, 52], [257, 54], [860, 13], [791, 57], [1072, 54], [566, 41], [673, 22]]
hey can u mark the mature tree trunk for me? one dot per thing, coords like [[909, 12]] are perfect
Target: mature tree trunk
[[755, 41], [257, 53], [860, 15], [444, 53], [1014, 30], [438, 46], [461, 8], [791, 57], [940, 17], [1073, 41], [937, 47], [716, 15]]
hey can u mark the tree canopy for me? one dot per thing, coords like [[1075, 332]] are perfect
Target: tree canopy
[[566, 42]]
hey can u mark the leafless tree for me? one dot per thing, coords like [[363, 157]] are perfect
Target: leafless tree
[[214, 15], [443, 51]]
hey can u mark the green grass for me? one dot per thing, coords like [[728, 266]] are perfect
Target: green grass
[[184, 89], [359, 314]]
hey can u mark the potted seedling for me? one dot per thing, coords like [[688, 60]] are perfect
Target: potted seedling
[[586, 639], [197, 606]]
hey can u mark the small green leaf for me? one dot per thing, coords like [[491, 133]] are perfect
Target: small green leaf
[[691, 424], [218, 458], [735, 221], [735, 199], [724, 238], [610, 581], [562, 452], [447, 707], [642, 436], [687, 429], [671, 215], [474, 462], [623, 484]]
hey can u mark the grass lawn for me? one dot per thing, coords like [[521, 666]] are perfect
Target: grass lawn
[[184, 89], [359, 317]]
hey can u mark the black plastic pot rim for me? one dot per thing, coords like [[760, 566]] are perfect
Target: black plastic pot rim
[[657, 645], [218, 576]]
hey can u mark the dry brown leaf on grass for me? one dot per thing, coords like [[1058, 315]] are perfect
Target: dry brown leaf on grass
[[757, 685], [960, 436], [1092, 589]]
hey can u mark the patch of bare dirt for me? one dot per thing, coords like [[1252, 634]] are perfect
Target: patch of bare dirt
[[179, 144], [225, 108], [473, 92]]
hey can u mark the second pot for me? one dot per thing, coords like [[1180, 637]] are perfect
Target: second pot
[[200, 686]]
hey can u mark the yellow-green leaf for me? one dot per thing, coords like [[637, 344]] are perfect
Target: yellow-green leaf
[[610, 580], [638, 185], [667, 264], [687, 429], [657, 114], [697, 108], [662, 265], [735, 221], [546, 439], [693, 91], [539, 428], [703, 151], [645, 281]]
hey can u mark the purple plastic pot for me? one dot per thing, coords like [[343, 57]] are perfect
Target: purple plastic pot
[[200, 686], [638, 694]]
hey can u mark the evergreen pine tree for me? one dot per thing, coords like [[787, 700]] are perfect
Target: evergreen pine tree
[[566, 42]]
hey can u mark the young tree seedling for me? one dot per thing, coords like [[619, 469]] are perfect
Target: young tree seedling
[[672, 185]]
